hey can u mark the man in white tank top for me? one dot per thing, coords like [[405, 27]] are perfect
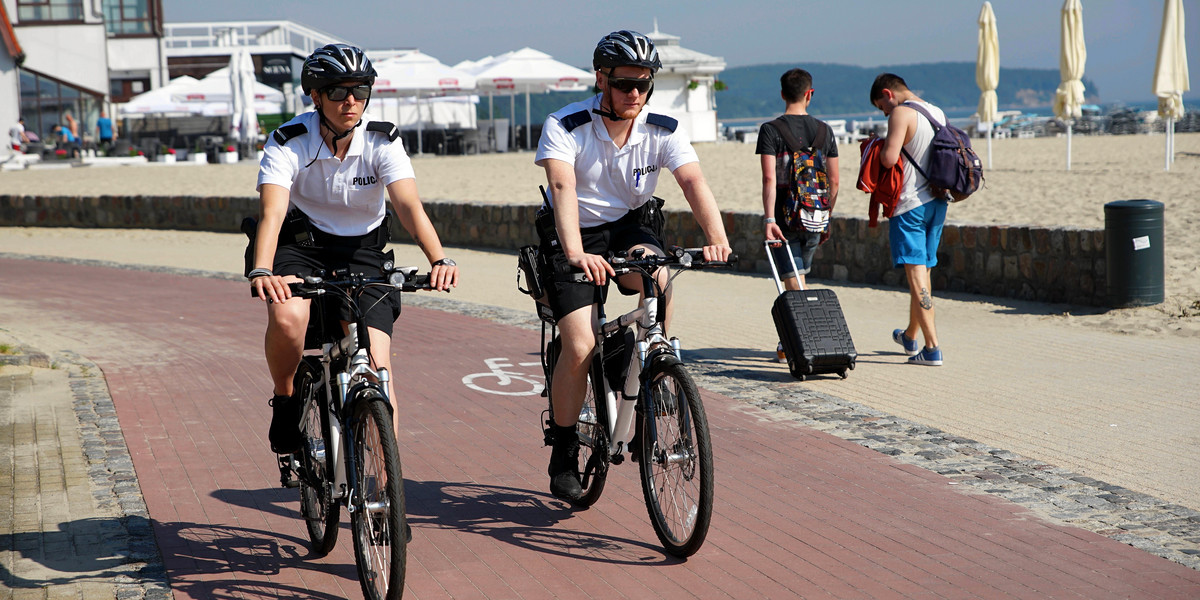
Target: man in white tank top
[[915, 228]]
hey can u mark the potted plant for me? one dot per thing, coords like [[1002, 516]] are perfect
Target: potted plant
[[167, 156], [198, 155], [230, 155]]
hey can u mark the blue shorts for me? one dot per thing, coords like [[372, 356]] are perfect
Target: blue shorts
[[916, 234], [803, 246]]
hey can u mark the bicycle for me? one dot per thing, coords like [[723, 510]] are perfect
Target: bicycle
[[349, 457], [641, 400]]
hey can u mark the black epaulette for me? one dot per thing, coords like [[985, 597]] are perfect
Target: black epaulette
[[287, 132], [663, 121], [574, 120], [385, 128]]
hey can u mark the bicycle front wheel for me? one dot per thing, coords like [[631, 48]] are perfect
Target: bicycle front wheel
[[378, 520], [321, 513], [676, 460]]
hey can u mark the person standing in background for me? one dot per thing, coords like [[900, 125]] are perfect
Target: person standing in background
[[17, 136], [106, 132]]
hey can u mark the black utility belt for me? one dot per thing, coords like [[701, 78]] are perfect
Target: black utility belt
[[633, 216], [298, 229]]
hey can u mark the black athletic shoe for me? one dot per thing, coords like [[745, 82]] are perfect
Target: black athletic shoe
[[285, 434], [564, 464]]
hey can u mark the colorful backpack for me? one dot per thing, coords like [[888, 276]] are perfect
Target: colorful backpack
[[806, 205]]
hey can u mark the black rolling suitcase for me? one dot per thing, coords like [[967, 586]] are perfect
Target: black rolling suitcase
[[812, 328]]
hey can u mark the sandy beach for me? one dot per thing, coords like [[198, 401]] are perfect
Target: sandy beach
[[1028, 185]]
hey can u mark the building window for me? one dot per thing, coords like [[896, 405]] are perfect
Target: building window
[[45, 101], [121, 90], [131, 17], [50, 10]]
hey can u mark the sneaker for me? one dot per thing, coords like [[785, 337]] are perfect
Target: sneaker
[[910, 345], [928, 356], [780, 355]]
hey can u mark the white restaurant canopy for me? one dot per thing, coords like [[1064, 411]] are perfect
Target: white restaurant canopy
[[158, 101], [216, 88], [426, 84], [525, 70]]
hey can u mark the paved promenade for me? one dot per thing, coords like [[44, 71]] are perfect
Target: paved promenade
[[1046, 459]]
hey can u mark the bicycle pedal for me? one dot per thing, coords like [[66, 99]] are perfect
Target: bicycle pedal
[[285, 472]]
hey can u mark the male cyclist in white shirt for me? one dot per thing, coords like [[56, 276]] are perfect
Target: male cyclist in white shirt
[[603, 157]]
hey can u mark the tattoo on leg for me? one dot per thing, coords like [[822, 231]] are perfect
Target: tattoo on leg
[[926, 299]]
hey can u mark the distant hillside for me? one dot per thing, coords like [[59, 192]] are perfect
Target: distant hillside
[[753, 91]]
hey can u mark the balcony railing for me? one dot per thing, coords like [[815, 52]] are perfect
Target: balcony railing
[[192, 38]]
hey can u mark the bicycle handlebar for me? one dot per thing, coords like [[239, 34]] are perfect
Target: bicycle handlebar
[[405, 279], [676, 258]]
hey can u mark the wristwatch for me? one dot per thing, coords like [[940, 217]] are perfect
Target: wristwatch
[[445, 262]]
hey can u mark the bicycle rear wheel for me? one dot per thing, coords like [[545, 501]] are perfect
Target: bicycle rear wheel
[[593, 441], [378, 521], [676, 460], [321, 513]]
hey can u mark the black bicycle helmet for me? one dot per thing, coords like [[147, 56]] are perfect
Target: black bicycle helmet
[[335, 63], [626, 49]]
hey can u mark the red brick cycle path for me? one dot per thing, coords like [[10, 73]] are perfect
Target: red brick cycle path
[[799, 513]]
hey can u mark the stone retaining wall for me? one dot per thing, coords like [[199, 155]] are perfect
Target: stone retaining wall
[[1064, 265]]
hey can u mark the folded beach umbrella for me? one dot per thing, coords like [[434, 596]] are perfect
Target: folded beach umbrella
[[1171, 72], [987, 70], [1068, 99]]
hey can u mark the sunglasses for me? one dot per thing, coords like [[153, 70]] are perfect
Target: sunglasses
[[339, 93], [628, 84]]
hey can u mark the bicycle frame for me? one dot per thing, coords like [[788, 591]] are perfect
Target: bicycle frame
[[358, 372], [619, 405]]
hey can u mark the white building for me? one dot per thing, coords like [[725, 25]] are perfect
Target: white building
[[685, 86], [75, 56], [81, 57]]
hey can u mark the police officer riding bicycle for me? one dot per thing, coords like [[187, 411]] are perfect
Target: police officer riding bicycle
[[603, 157], [333, 168]]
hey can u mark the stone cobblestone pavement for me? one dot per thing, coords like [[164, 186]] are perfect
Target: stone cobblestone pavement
[[74, 524]]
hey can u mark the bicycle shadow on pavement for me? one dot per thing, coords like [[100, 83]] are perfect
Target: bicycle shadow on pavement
[[92, 550], [522, 518], [281, 501], [226, 561]]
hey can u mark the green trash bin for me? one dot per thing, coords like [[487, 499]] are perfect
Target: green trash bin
[[1133, 250]]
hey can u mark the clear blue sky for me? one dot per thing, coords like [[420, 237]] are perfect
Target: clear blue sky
[[1122, 35]]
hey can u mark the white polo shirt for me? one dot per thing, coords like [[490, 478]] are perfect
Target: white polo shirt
[[342, 197], [611, 181]]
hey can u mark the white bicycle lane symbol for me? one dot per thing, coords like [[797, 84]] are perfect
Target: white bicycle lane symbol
[[503, 382]]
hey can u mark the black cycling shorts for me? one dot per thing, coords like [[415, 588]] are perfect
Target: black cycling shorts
[[566, 297], [329, 253]]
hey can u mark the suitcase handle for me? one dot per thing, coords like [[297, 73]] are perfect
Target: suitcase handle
[[775, 269]]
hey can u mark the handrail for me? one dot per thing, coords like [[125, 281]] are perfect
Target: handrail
[[226, 34]]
